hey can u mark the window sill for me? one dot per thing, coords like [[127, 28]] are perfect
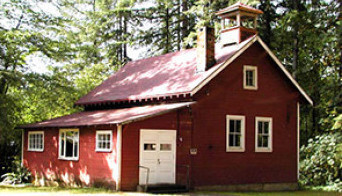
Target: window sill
[[102, 150], [263, 150], [33, 150], [235, 150], [68, 159], [250, 88]]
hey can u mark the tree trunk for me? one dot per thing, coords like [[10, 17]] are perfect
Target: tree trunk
[[185, 20], [167, 26], [295, 48], [125, 57]]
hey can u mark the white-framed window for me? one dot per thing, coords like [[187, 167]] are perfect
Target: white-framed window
[[250, 77], [263, 134], [104, 141], [69, 144], [235, 133], [36, 141]]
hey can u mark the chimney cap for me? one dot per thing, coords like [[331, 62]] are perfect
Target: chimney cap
[[239, 7]]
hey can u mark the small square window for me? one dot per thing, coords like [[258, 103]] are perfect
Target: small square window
[[263, 134], [36, 141], [250, 77], [104, 141]]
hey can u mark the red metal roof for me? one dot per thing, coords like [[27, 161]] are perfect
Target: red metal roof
[[108, 117], [160, 76]]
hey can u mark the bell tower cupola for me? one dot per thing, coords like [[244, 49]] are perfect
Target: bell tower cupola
[[238, 23]]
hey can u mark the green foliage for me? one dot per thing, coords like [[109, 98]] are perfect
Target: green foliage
[[321, 162], [18, 175]]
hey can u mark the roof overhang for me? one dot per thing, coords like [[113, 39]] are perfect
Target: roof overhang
[[238, 53], [108, 117]]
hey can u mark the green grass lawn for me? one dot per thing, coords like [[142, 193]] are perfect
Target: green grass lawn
[[291, 193], [71, 191], [30, 189]]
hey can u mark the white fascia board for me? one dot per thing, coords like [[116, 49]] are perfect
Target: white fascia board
[[281, 66], [237, 54]]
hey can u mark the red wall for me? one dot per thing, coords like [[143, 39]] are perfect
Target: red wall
[[91, 168], [225, 95], [130, 145]]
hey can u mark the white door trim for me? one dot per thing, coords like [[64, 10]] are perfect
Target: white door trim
[[141, 148]]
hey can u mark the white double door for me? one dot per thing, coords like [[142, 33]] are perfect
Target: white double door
[[158, 153]]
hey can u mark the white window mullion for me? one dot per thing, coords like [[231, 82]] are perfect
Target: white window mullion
[[266, 123], [104, 137], [75, 144], [35, 141], [231, 146]]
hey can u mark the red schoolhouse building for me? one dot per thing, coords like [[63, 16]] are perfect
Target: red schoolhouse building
[[224, 114]]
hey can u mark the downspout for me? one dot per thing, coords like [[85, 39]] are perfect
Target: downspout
[[22, 147], [119, 154]]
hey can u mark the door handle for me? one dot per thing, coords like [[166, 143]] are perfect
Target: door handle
[[159, 161]]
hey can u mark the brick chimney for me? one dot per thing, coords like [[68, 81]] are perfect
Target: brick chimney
[[205, 49]]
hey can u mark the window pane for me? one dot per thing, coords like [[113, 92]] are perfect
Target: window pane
[[231, 140], [62, 144], [76, 149], [76, 135], [149, 147], [260, 127], [265, 141], [266, 127], [238, 140], [165, 147], [238, 126], [231, 126], [250, 78], [259, 141], [69, 144]]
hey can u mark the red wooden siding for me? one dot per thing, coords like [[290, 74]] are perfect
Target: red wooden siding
[[225, 95], [202, 126], [130, 145], [92, 167]]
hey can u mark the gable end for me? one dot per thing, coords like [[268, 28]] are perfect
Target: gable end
[[242, 50]]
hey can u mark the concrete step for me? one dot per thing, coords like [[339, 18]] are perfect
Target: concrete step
[[164, 188]]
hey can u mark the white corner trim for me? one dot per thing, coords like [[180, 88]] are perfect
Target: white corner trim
[[281, 66], [119, 156], [243, 133], [98, 132], [223, 66], [270, 130], [298, 137], [22, 147], [250, 68], [28, 141]]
